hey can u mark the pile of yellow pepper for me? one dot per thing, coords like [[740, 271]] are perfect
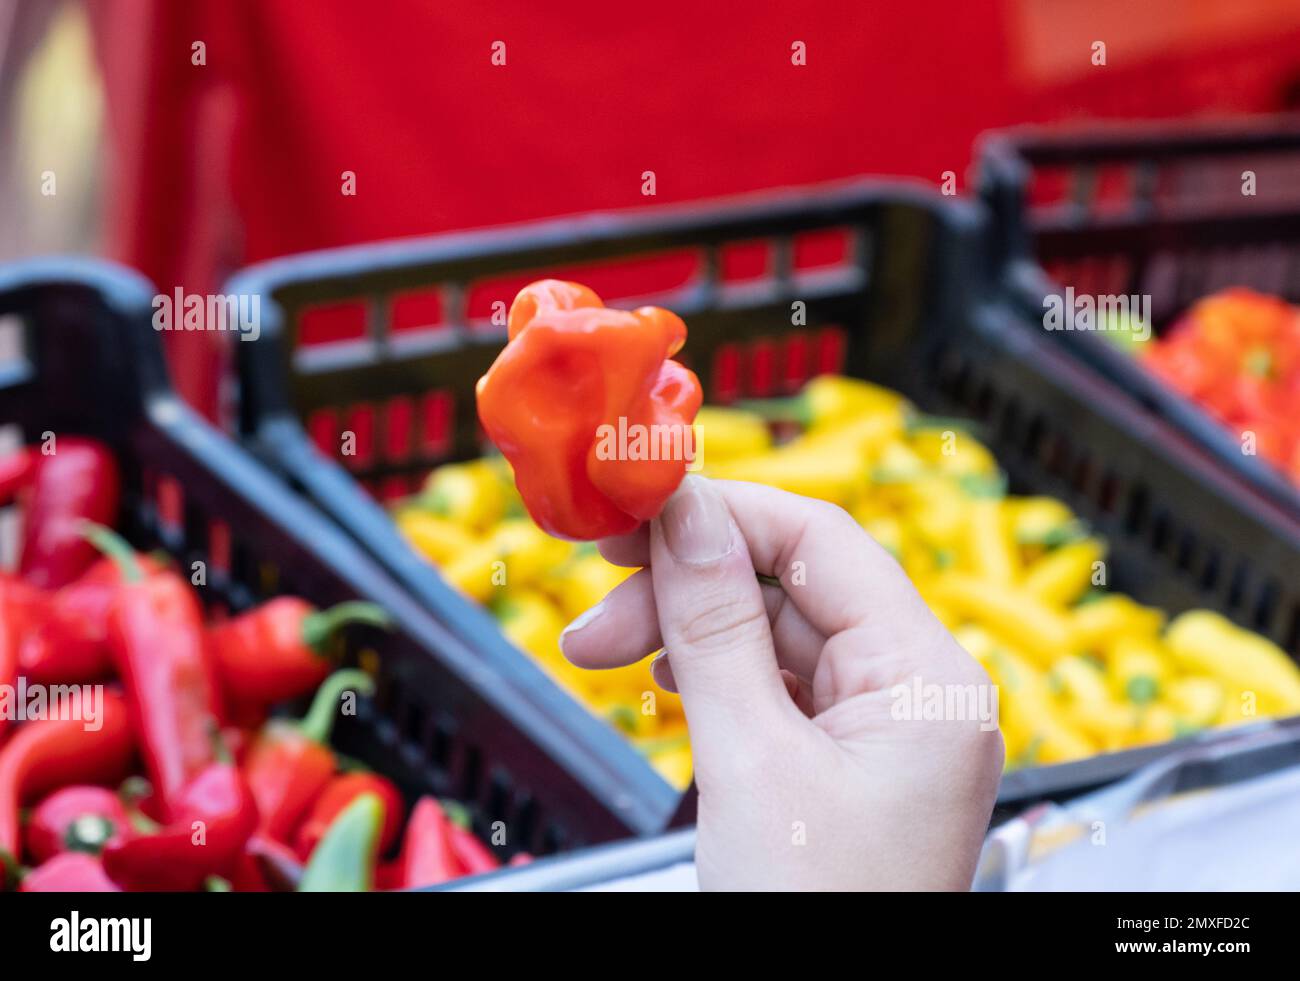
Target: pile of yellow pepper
[[1019, 580]]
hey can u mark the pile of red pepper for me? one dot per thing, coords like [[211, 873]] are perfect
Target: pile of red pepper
[[1237, 353], [182, 780]]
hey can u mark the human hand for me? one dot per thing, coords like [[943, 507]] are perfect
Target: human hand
[[807, 777]]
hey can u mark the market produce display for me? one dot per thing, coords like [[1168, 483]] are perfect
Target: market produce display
[[1237, 353], [1020, 580], [183, 779]]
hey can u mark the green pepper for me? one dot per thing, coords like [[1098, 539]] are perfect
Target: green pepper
[[344, 860]]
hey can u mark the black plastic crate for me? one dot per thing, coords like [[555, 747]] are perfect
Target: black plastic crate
[[894, 288], [1153, 210], [441, 723]]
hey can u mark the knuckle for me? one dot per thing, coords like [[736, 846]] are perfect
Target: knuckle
[[714, 625], [834, 516]]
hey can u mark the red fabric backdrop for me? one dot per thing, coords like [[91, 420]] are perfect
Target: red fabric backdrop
[[241, 158]]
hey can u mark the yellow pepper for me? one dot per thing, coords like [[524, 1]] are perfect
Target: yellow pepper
[[1041, 521], [437, 539], [862, 438], [1076, 679], [953, 452], [1202, 642], [824, 474], [478, 572], [1033, 729], [623, 714], [675, 765], [1087, 703], [516, 553], [1156, 723], [583, 582], [532, 623], [725, 434], [1064, 574], [1018, 618], [978, 642], [885, 529], [938, 510], [989, 552], [1099, 621], [831, 399], [471, 493], [528, 552], [897, 463], [1197, 700], [1139, 669]]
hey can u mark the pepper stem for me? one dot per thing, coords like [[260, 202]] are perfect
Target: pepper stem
[[795, 408], [319, 720], [132, 791], [319, 627], [11, 871], [457, 813], [220, 751], [88, 833], [116, 548]]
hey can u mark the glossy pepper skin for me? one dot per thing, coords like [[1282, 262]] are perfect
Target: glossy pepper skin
[[76, 819], [1237, 353], [68, 643], [291, 763], [472, 855], [21, 609], [47, 754], [577, 401], [16, 471], [213, 819], [427, 857], [267, 865], [277, 651], [77, 482], [69, 872], [156, 638], [337, 796]]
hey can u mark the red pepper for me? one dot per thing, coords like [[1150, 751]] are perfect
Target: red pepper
[[583, 402], [1237, 353], [267, 866], [69, 644], [474, 856], [50, 753], [16, 471], [21, 607], [427, 857], [69, 872], [334, 799], [214, 817], [291, 763], [155, 635], [76, 482], [277, 651], [76, 819]]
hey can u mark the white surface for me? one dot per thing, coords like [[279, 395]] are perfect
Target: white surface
[[1244, 837], [675, 878]]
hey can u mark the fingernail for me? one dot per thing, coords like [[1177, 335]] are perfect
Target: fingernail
[[696, 523], [582, 621], [661, 670]]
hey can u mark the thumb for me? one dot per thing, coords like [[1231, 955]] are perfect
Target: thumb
[[713, 621]]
